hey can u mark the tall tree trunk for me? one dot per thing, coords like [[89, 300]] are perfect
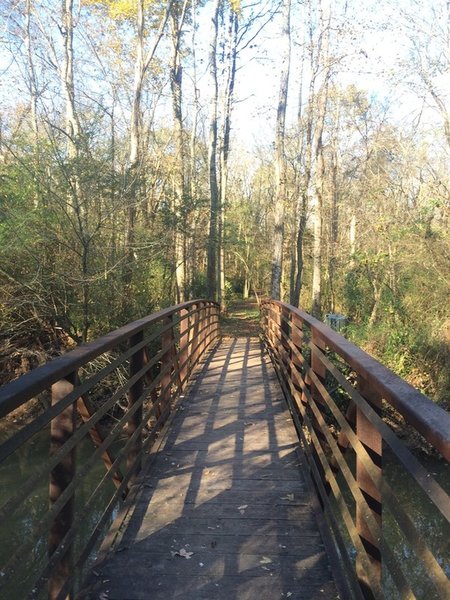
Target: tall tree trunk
[[32, 87], [334, 219], [176, 73], [72, 123], [192, 184], [213, 246], [141, 66], [134, 156], [280, 157], [225, 149], [305, 152], [76, 195], [323, 62], [316, 306], [299, 252]]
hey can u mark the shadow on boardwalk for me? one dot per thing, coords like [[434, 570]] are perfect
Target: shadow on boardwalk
[[223, 512]]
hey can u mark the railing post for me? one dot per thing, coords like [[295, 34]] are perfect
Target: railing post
[[202, 319], [208, 314], [134, 460], [297, 341], [316, 365], [167, 346], [218, 330], [195, 341], [62, 427], [372, 441], [184, 349], [285, 334], [263, 319], [212, 324], [275, 330]]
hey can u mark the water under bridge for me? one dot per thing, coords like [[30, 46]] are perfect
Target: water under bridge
[[185, 465]]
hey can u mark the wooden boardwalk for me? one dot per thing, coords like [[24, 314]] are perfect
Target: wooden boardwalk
[[223, 512]]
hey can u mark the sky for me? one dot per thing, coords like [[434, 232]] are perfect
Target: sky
[[374, 51], [373, 42]]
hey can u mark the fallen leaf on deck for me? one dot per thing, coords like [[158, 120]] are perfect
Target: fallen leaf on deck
[[289, 497], [183, 553]]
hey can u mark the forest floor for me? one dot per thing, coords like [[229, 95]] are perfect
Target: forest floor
[[241, 319]]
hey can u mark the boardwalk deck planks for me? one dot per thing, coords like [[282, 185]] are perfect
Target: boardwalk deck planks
[[226, 486]]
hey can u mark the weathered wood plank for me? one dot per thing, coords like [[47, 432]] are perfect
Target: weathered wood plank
[[225, 486]]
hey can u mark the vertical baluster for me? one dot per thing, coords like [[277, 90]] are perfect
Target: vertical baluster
[[195, 340], [213, 328], [372, 441], [184, 349], [285, 335], [208, 308], [134, 459], [262, 319], [202, 315], [62, 427], [218, 330]]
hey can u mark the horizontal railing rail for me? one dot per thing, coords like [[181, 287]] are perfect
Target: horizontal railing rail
[[339, 396], [108, 400]]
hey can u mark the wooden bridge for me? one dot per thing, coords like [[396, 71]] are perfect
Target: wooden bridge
[[241, 468]]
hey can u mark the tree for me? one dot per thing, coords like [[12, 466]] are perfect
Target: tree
[[213, 240], [280, 155]]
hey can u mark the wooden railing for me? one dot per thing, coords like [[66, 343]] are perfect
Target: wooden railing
[[118, 391], [338, 396]]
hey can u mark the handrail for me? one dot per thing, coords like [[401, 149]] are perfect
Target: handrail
[[428, 418], [29, 385], [337, 394], [145, 366]]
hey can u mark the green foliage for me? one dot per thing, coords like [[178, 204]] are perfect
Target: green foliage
[[198, 285], [356, 293]]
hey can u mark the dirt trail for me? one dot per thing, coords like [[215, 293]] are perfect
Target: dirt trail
[[242, 320]]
